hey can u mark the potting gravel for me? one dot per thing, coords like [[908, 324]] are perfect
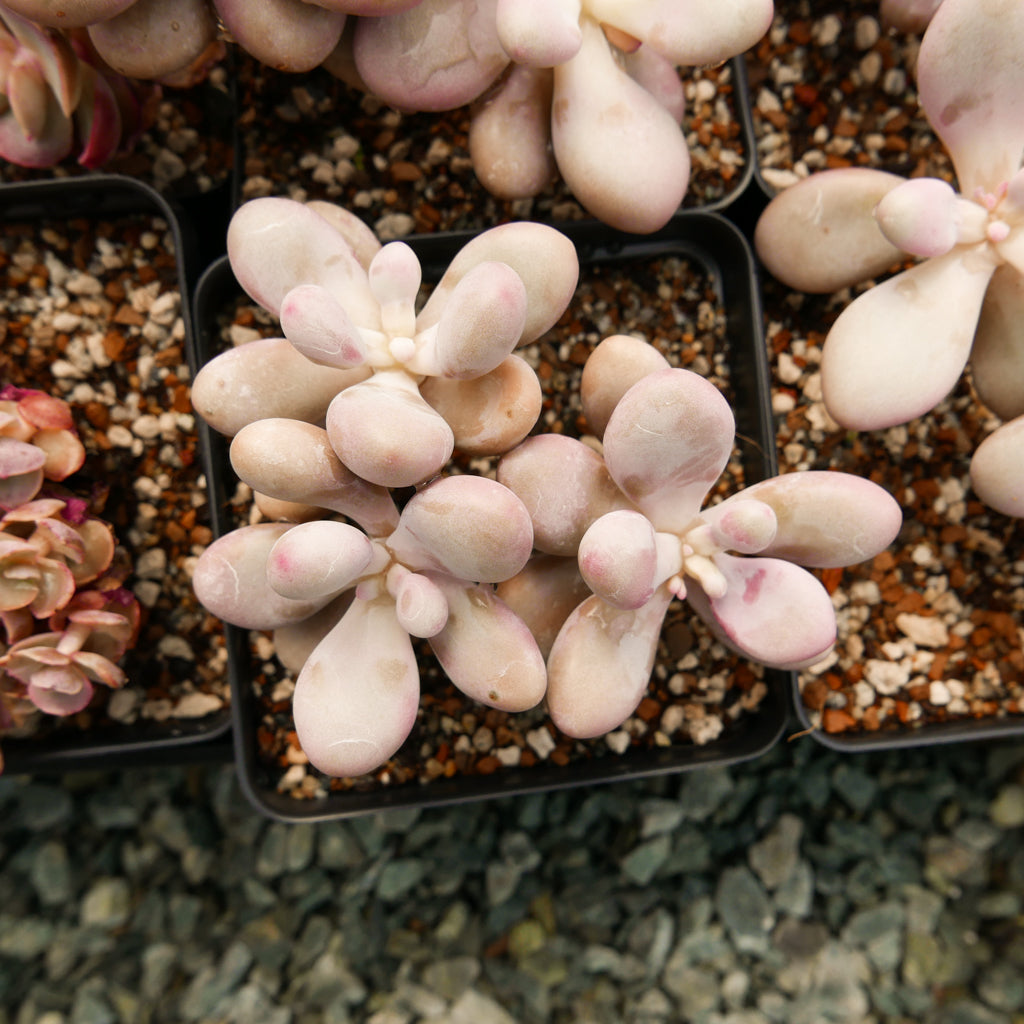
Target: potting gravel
[[803, 887]]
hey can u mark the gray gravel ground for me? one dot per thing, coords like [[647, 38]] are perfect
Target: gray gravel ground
[[804, 887]]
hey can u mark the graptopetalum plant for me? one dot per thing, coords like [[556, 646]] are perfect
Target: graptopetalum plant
[[66, 618], [348, 576], [902, 345]]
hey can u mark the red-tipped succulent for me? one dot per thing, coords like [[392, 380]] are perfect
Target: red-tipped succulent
[[634, 521]]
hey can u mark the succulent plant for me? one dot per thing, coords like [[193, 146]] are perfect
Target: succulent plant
[[902, 345], [908, 15], [56, 94], [634, 520], [425, 573], [446, 375]]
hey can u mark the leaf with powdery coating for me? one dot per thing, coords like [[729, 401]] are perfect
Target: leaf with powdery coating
[[490, 414], [614, 141], [420, 604], [356, 697], [318, 559], [821, 235], [773, 611], [294, 461], [287, 35], [997, 356], [544, 259], [481, 322], [469, 527], [275, 244], [615, 365], [355, 231], [266, 378], [667, 443], [486, 650], [897, 350], [600, 664], [564, 485], [317, 325], [970, 78], [618, 558], [540, 33], [825, 519], [294, 642], [384, 431], [230, 580], [997, 469]]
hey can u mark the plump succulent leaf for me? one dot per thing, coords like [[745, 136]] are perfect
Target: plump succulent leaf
[[385, 432], [614, 141], [824, 519], [564, 485], [658, 76], [420, 605], [544, 259], [969, 75], [600, 664], [294, 461], [921, 216], [666, 444], [356, 697], [266, 378], [997, 469], [317, 560], [820, 234], [294, 642], [287, 35], [899, 348], [540, 33], [618, 558], [773, 611], [615, 365], [316, 323], [997, 356], [471, 528], [67, 13], [230, 580], [275, 244], [486, 650], [491, 414]]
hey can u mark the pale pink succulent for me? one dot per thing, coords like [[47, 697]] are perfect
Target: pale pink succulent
[[635, 522], [908, 15], [901, 346], [445, 375], [56, 95], [427, 573], [595, 93]]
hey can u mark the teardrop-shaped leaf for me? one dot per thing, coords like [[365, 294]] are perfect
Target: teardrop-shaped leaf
[[318, 559], [351, 227], [897, 350], [615, 365], [659, 76], [544, 259], [294, 461], [317, 325], [486, 650], [969, 75], [541, 33], [614, 141], [356, 697], [920, 216], [492, 413], [997, 469], [385, 432], [283, 34], [472, 528], [294, 642], [601, 663], [420, 605], [774, 612], [618, 558], [564, 486], [265, 379], [997, 356], [667, 443], [821, 235], [825, 519]]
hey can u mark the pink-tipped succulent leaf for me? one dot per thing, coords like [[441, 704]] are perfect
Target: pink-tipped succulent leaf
[[616, 364], [997, 469], [317, 560]]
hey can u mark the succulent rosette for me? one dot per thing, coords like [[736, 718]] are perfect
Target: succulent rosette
[[594, 91], [635, 521], [446, 375], [900, 347], [426, 573]]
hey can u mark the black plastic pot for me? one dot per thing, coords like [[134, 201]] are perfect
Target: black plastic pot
[[95, 198], [706, 239]]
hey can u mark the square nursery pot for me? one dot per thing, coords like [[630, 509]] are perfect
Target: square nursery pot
[[314, 137], [95, 312], [691, 287]]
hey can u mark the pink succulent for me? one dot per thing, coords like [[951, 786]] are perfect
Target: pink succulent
[[901, 346], [635, 523], [446, 375], [426, 573]]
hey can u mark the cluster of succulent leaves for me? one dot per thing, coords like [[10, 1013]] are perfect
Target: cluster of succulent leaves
[[548, 583], [901, 346], [588, 89], [66, 618]]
